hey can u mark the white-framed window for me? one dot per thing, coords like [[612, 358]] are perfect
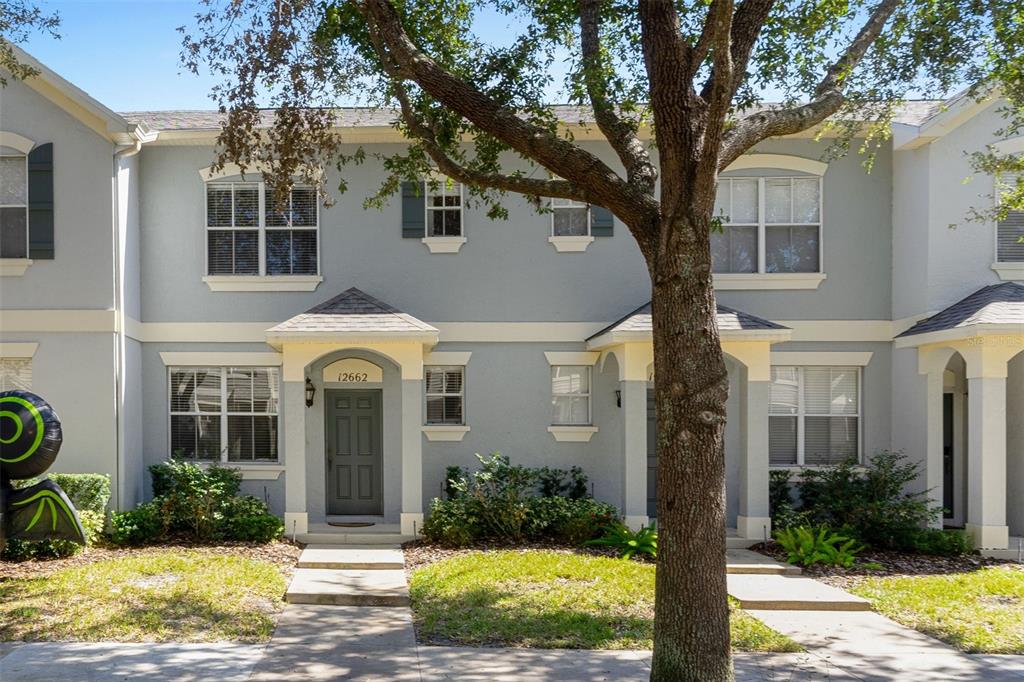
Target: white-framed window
[[224, 414], [569, 218], [443, 207], [769, 225], [814, 415], [13, 204], [15, 374], [1010, 229], [570, 395], [445, 390], [249, 233]]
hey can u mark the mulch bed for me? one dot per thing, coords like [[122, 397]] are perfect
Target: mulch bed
[[890, 564], [420, 553], [283, 554]]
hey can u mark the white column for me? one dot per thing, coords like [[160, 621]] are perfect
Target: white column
[[412, 453], [634, 459], [934, 441], [754, 519], [986, 460], [293, 400]]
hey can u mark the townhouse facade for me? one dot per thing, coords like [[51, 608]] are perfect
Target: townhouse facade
[[341, 358]]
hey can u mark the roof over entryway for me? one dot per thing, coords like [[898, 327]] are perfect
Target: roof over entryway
[[732, 325], [352, 315], [998, 309]]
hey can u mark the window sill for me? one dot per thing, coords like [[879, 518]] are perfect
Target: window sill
[[774, 280], [577, 244], [444, 244], [14, 267], [573, 434], [451, 433], [263, 283], [250, 472], [1009, 271]]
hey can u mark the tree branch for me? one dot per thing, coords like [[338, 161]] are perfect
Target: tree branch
[[599, 183], [828, 95], [620, 134], [747, 23]]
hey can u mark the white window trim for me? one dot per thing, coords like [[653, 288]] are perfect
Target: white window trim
[[16, 267], [570, 243], [220, 360], [557, 429], [566, 433], [781, 280], [18, 350], [261, 281], [1007, 270], [444, 243], [440, 428], [801, 414], [822, 359], [257, 470], [448, 433]]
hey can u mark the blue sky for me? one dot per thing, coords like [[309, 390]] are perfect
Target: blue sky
[[125, 52]]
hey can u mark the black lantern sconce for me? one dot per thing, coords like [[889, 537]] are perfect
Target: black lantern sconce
[[310, 392], [618, 398]]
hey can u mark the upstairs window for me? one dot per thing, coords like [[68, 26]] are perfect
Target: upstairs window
[[1010, 230], [570, 395], [248, 233], [569, 218], [814, 415], [769, 225], [445, 395], [444, 208], [13, 205]]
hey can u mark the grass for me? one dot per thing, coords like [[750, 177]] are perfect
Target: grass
[[977, 612], [180, 596], [551, 600]]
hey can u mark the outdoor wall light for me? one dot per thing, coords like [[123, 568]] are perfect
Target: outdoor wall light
[[310, 392], [618, 398]]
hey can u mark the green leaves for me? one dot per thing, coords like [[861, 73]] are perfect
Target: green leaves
[[808, 545], [629, 542]]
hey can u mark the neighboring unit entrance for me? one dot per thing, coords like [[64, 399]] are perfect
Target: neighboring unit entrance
[[354, 452], [652, 457]]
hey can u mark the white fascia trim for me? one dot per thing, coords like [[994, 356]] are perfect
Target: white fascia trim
[[616, 338], [263, 283], [733, 281], [530, 332], [574, 244], [822, 358], [18, 350], [81, 321], [444, 244], [572, 434], [573, 358], [14, 267], [448, 433], [1011, 272], [16, 141], [959, 334], [784, 161], [450, 358], [215, 359], [278, 338]]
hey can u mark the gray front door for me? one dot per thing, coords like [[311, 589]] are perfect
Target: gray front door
[[652, 457], [354, 453]]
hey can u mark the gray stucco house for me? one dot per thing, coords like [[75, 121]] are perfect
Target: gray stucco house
[[342, 358]]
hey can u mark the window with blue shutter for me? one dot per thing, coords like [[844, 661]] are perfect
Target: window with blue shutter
[[40, 203], [601, 221], [413, 213]]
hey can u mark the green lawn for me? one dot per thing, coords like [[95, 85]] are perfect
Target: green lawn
[[978, 612], [179, 596], [551, 600]]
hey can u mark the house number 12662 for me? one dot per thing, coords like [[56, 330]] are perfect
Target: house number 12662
[[353, 377]]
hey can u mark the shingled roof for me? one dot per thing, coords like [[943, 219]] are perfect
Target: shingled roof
[[730, 321], [996, 304], [352, 313]]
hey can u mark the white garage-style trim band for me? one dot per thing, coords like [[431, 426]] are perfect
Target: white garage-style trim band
[[822, 358], [573, 357], [18, 350], [215, 359]]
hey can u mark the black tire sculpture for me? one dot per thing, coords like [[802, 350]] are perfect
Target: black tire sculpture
[[30, 438]]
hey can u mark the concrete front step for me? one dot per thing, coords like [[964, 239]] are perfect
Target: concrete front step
[[746, 562], [791, 593], [336, 538], [364, 557], [348, 587]]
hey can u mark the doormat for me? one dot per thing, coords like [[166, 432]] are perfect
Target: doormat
[[353, 524]]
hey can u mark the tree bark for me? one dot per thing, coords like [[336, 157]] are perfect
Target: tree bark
[[691, 622]]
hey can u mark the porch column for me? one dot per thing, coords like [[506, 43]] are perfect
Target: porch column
[[293, 398], [412, 447], [634, 460], [934, 441], [986, 447], [754, 519]]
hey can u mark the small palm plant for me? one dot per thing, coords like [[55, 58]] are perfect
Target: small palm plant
[[629, 542]]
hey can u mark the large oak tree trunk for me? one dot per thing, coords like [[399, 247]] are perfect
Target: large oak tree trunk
[[691, 621]]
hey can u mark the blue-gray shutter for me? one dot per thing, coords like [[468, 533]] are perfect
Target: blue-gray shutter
[[601, 221], [40, 202], [414, 222]]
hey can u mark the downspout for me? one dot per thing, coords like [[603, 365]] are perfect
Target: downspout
[[138, 135]]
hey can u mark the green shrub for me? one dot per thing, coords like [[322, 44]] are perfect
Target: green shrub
[[497, 495], [246, 519], [571, 483], [194, 497], [146, 523], [807, 546], [942, 542], [780, 501], [452, 475], [586, 520], [451, 523], [88, 492], [629, 542]]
